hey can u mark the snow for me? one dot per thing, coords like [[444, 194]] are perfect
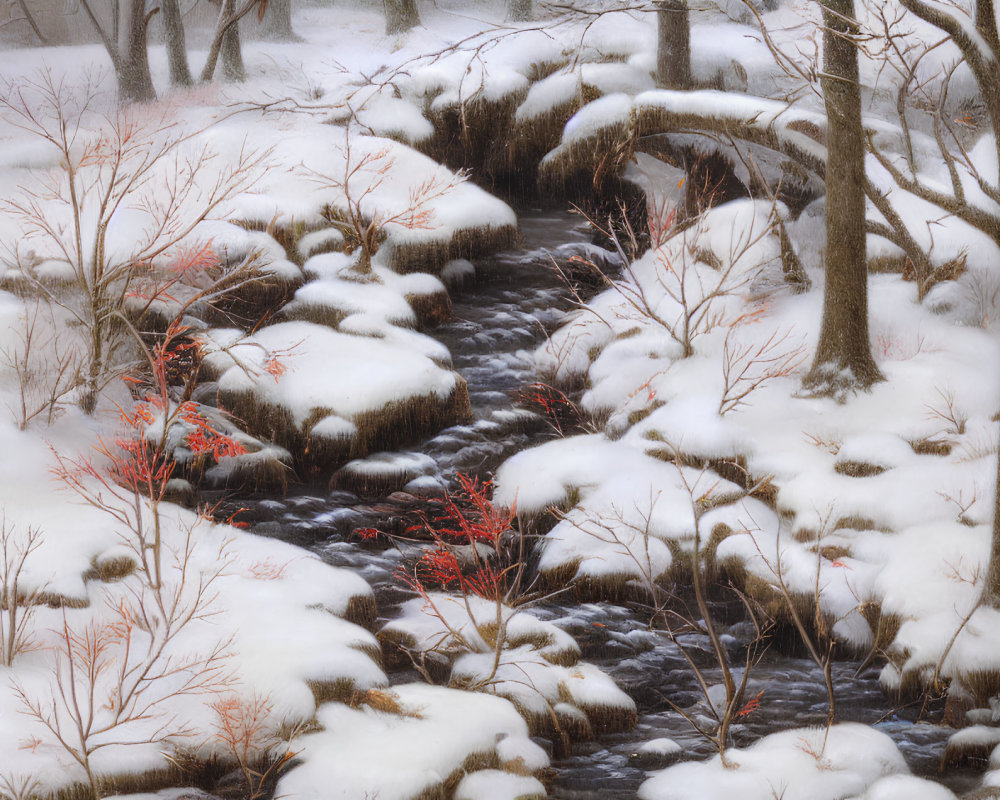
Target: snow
[[906, 787], [521, 754], [276, 611], [344, 375], [793, 764], [548, 94], [660, 747], [434, 733], [613, 109], [492, 784], [531, 666], [343, 297], [870, 510]]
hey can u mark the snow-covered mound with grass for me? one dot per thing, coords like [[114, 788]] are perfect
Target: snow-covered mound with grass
[[239, 625], [500, 650], [410, 741], [332, 395], [877, 504], [851, 761]]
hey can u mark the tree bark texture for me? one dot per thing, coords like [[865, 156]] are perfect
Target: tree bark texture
[[519, 10], [843, 356], [135, 84], [173, 26], [232, 54], [277, 24], [991, 588], [400, 15], [673, 44]]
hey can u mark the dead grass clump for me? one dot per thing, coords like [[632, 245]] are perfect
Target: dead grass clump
[[318, 315], [468, 243], [396, 647], [265, 471], [610, 719], [571, 723], [362, 610], [386, 428], [430, 309], [857, 469], [931, 447], [532, 138], [126, 783], [262, 420], [966, 752], [114, 568], [362, 482], [252, 301], [884, 625], [398, 423], [472, 134], [340, 690], [854, 522], [592, 163]]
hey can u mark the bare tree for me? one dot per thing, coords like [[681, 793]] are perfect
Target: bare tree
[[17, 601], [400, 15], [131, 60], [26, 16], [991, 587], [359, 219], [277, 22], [673, 44], [112, 679], [519, 10], [226, 41], [843, 358], [149, 170], [173, 24]]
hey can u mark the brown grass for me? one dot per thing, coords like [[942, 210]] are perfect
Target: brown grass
[[431, 309], [467, 243], [362, 610]]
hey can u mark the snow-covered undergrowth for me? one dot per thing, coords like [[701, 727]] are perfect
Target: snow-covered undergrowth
[[878, 504], [140, 640], [132, 674]]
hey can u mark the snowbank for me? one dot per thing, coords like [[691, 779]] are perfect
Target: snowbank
[[335, 395], [429, 735], [854, 761]]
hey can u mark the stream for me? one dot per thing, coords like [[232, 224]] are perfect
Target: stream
[[499, 318]]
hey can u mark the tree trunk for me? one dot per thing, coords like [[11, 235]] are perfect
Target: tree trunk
[[400, 15], [212, 59], [173, 25], [30, 18], [991, 588], [518, 10], [135, 84], [232, 54], [277, 24], [843, 356], [673, 44]]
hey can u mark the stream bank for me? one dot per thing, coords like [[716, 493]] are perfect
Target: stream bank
[[499, 317]]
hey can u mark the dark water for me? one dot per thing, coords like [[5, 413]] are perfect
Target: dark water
[[498, 320]]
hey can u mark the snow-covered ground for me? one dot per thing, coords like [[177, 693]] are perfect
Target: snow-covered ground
[[139, 638]]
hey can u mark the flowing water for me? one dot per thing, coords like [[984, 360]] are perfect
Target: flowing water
[[498, 319]]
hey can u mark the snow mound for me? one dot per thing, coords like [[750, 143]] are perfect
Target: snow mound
[[428, 734], [792, 764]]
